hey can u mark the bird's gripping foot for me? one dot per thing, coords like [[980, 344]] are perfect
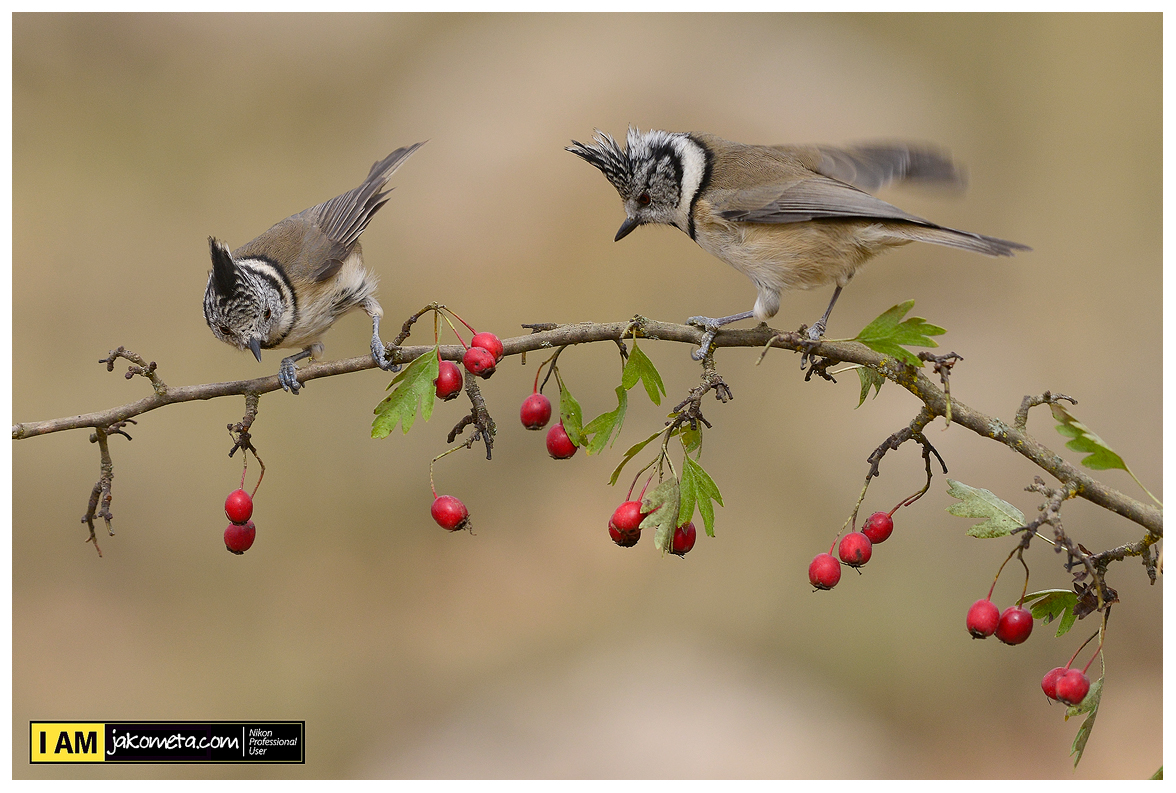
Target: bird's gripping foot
[[380, 353], [711, 325], [288, 373]]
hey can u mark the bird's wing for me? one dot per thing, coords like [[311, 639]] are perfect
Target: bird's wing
[[810, 198], [344, 217], [872, 166], [300, 246]]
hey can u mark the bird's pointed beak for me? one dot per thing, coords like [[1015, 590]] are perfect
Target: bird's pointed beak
[[626, 227], [255, 348]]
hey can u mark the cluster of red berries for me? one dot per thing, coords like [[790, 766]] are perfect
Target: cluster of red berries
[[535, 413], [483, 354], [241, 531], [1066, 685], [625, 529], [1012, 626], [854, 549]]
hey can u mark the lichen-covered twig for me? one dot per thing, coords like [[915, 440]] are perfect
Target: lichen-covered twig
[[933, 397]]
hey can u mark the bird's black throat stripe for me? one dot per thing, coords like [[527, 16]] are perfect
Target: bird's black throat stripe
[[708, 166]]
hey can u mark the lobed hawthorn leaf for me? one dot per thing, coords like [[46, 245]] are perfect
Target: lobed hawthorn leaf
[[869, 378], [698, 488], [886, 334], [662, 506], [1049, 604], [640, 368], [975, 502], [1100, 457], [606, 425], [413, 387], [1088, 705], [571, 415]]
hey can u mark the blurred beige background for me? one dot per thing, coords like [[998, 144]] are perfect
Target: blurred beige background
[[535, 647]]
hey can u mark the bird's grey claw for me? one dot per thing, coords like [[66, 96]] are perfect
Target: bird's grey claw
[[379, 353], [816, 331], [711, 326], [288, 377], [704, 346]]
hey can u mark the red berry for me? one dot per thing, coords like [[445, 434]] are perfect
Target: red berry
[[628, 516], [824, 571], [239, 538], [1072, 687], [878, 527], [238, 507], [1015, 625], [983, 618], [1049, 683], [479, 361], [684, 537], [488, 342], [535, 412], [622, 537], [855, 549], [625, 524], [448, 380], [559, 445], [450, 513]]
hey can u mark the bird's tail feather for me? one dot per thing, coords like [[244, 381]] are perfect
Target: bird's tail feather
[[954, 238]]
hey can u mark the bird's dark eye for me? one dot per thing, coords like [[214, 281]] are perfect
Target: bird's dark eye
[[224, 330], [644, 199], [266, 315]]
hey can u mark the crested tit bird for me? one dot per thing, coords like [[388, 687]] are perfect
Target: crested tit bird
[[287, 287], [787, 217]]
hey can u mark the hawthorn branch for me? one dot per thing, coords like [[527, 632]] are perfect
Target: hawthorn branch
[[101, 492], [933, 397], [479, 416]]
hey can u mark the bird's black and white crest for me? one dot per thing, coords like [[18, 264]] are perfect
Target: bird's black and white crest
[[650, 158], [658, 176], [607, 155], [224, 273]]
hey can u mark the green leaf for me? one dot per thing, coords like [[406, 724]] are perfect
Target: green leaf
[[606, 425], [571, 415], [1049, 604], [698, 488], [691, 438], [414, 386], [1088, 705], [662, 506], [633, 451], [869, 377], [1100, 456], [639, 367], [1159, 774], [887, 333], [1001, 516]]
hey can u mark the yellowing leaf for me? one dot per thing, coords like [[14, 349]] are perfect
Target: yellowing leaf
[[662, 506], [1001, 517]]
